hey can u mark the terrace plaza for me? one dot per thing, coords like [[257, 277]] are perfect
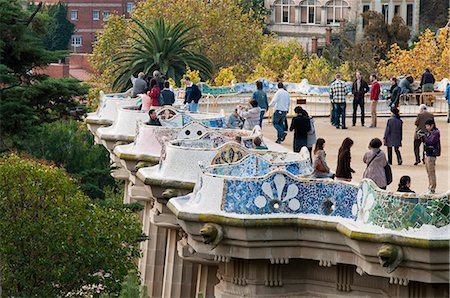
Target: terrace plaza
[[227, 220], [362, 136]]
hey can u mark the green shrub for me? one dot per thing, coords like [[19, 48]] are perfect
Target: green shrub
[[54, 241], [70, 145]]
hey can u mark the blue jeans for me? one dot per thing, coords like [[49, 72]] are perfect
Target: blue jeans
[[261, 117], [278, 122], [340, 114], [193, 107]]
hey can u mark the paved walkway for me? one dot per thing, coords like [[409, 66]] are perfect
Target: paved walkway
[[362, 136]]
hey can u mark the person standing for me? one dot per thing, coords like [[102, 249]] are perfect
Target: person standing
[[376, 161], [427, 81], [281, 101], [395, 94], [420, 131], [432, 141], [359, 89], [251, 116], [139, 84], [393, 135], [338, 91], [192, 95], [261, 98], [447, 97], [154, 93], [300, 125], [343, 169], [375, 91], [321, 168], [167, 95]]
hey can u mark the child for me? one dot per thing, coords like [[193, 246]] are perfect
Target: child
[[257, 142], [404, 184]]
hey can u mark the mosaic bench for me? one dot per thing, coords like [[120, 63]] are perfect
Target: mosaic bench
[[150, 139]]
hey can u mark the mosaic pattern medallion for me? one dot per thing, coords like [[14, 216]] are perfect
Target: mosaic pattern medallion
[[282, 193]]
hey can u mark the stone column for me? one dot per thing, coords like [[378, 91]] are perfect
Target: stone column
[[206, 280], [323, 17], [151, 265], [403, 10], [391, 11], [377, 6], [178, 273], [416, 16]]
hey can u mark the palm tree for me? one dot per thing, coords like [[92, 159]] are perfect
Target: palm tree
[[161, 47]]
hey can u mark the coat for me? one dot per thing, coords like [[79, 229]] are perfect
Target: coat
[[311, 137], [420, 123], [432, 142], [251, 117], [322, 156], [363, 89], [375, 170], [343, 169], [393, 133], [154, 95]]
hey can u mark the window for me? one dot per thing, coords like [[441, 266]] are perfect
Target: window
[[396, 10], [130, 6], [74, 15], [309, 12], [77, 41], [284, 11], [337, 10], [365, 8], [385, 12], [409, 14], [106, 15], [96, 15]]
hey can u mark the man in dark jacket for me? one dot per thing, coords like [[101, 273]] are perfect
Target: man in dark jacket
[[427, 81], [359, 89], [167, 95], [192, 96], [301, 125], [153, 118]]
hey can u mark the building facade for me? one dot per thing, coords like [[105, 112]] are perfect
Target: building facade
[[307, 20], [88, 17]]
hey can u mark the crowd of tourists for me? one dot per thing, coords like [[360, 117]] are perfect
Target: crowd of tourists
[[377, 163], [156, 92]]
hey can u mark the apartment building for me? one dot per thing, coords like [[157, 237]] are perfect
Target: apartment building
[[308, 20], [88, 17]]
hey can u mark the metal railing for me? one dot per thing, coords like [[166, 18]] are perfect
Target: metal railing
[[319, 105]]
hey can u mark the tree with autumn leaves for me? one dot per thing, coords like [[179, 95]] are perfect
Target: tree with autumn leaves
[[430, 51]]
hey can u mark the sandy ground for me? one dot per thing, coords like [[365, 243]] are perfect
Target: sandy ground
[[362, 136]]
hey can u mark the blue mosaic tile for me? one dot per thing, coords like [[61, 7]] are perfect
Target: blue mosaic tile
[[281, 193]]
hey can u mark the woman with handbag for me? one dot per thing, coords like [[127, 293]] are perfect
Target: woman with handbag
[[321, 169], [376, 162]]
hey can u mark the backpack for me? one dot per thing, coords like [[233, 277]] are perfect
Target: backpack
[[387, 170]]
